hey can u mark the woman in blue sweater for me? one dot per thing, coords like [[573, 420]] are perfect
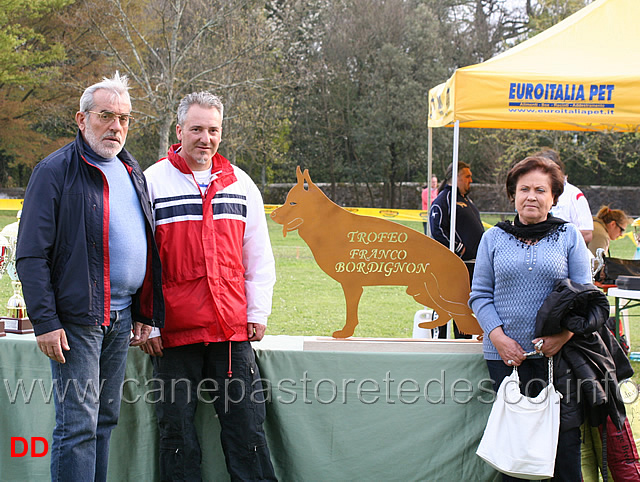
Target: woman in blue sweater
[[516, 266]]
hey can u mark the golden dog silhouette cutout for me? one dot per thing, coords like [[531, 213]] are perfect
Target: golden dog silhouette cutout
[[359, 251]]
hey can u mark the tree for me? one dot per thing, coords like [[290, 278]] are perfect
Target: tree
[[170, 48], [360, 103], [545, 14], [30, 57], [483, 28], [26, 58]]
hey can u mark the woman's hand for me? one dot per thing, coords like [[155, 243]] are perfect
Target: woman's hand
[[510, 350], [553, 343]]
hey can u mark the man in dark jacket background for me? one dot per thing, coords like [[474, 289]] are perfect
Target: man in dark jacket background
[[85, 244], [469, 228]]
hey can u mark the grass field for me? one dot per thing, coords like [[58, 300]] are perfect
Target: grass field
[[307, 302]]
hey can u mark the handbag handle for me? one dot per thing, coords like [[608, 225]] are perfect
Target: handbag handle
[[550, 380], [538, 351]]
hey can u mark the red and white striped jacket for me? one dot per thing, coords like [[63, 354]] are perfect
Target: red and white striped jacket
[[218, 269]]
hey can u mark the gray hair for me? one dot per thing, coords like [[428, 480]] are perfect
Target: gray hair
[[204, 99], [118, 85]]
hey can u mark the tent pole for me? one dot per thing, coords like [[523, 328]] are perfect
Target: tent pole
[[429, 173], [454, 186], [454, 198]]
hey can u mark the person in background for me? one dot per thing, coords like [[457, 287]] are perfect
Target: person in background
[[218, 274], [608, 225], [429, 193], [572, 206], [85, 242], [469, 227], [622, 455], [516, 267]]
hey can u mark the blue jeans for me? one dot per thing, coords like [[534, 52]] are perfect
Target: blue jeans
[[534, 374], [239, 404], [87, 391]]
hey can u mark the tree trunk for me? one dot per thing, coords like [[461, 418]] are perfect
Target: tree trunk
[[165, 130]]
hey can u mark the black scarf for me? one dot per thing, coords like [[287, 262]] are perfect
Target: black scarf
[[530, 232]]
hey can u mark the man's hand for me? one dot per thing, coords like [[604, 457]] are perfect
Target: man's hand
[[153, 346], [255, 331], [140, 333], [52, 344]]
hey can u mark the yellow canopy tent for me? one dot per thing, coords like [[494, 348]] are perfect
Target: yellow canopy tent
[[581, 74]]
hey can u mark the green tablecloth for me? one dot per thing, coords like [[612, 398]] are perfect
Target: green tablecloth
[[331, 416]]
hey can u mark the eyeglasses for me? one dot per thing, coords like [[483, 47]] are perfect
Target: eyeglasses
[[107, 117], [621, 229]]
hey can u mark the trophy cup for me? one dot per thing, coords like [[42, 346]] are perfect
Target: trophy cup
[[16, 320], [4, 257]]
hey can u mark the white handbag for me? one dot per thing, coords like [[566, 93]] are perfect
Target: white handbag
[[521, 436]]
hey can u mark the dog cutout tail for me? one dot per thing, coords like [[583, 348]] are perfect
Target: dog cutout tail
[[460, 312]]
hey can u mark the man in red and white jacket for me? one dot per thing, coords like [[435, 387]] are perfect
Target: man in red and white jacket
[[218, 277]]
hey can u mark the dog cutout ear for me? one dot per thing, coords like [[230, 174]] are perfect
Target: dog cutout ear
[[302, 177], [307, 178]]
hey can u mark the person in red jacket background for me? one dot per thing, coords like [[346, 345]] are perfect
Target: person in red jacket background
[[218, 277], [429, 194]]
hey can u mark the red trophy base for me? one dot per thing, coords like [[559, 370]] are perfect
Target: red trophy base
[[2, 333], [17, 325]]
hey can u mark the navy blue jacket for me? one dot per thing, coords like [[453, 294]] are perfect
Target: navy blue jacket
[[469, 228], [63, 244], [589, 366]]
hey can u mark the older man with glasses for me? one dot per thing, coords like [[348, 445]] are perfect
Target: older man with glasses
[[85, 245]]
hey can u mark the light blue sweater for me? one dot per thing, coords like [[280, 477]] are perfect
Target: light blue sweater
[[127, 234], [512, 279]]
